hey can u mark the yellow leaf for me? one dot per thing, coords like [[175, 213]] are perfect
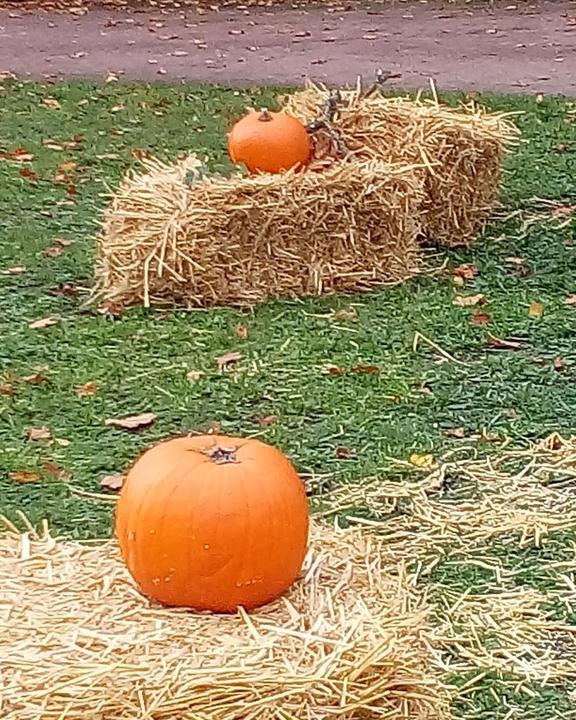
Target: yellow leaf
[[536, 309], [421, 461]]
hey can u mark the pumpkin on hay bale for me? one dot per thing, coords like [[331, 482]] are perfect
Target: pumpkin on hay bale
[[459, 151], [350, 641], [213, 523], [173, 234]]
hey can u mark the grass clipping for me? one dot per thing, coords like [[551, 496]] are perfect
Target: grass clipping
[[460, 152], [350, 641], [173, 234]]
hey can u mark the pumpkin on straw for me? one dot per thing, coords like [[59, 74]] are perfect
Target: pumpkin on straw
[[213, 523], [269, 142]]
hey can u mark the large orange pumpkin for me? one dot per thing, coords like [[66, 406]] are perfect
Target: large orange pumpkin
[[213, 523], [269, 142]]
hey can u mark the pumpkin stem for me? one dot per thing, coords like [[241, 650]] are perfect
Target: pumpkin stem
[[265, 115], [221, 455]]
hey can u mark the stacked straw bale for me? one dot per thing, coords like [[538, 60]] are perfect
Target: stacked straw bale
[[173, 234], [349, 642], [460, 151]]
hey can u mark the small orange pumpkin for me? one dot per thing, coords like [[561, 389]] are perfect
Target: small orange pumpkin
[[213, 523], [269, 142]]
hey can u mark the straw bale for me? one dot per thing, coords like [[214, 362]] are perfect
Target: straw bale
[[460, 151], [349, 642], [173, 234]]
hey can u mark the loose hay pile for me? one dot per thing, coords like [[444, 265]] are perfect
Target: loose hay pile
[[350, 642], [174, 235], [460, 151]]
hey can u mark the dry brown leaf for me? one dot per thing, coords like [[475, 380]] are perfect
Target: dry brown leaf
[[6, 390], [41, 433], [43, 322], [343, 453], [535, 309], [16, 270], [53, 251], [457, 432], [570, 300], [559, 363], [480, 318], [88, 389], [67, 167], [24, 476], [465, 271], [469, 300], [132, 422], [266, 420], [28, 174], [332, 370], [36, 378], [503, 343], [194, 375], [50, 468], [113, 482], [513, 260], [365, 369], [223, 361], [241, 330], [51, 103]]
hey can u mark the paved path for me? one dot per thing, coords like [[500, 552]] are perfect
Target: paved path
[[515, 46]]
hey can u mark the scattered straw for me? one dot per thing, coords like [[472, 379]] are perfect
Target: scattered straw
[[78, 642], [460, 151], [172, 234]]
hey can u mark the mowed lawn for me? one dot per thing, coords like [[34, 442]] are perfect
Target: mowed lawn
[[337, 382]]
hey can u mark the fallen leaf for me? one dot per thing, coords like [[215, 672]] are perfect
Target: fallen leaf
[[570, 300], [345, 315], [24, 476], [38, 377], [51, 103], [513, 260], [457, 432], [421, 461], [28, 174], [90, 388], [16, 270], [480, 318], [54, 251], [332, 370], [50, 468], [52, 144], [535, 309], [266, 420], [466, 271], [223, 361], [194, 375], [469, 300], [113, 482], [241, 330], [43, 322], [343, 453], [503, 344], [6, 390], [132, 422], [67, 167], [558, 363], [20, 154], [365, 369], [62, 442], [41, 433]]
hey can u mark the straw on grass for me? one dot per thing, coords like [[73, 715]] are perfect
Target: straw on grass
[[171, 234], [460, 151], [349, 642]]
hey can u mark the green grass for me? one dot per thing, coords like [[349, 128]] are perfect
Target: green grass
[[140, 361]]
